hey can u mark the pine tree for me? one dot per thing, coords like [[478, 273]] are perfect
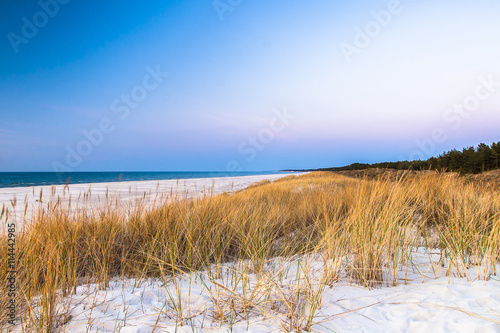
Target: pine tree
[[495, 154]]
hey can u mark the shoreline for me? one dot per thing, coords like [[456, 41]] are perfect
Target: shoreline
[[91, 195], [34, 179], [252, 262]]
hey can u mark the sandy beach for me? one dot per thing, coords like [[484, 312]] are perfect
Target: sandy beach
[[423, 291], [250, 167], [431, 302], [92, 195]]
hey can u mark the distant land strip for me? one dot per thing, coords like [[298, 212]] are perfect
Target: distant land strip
[[470, 160]]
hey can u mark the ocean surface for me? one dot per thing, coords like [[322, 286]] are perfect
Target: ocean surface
[[18, 179]]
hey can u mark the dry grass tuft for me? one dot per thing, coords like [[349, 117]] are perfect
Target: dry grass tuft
[[366, 228]]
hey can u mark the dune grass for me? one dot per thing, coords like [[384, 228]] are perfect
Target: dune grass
[[365, 228]]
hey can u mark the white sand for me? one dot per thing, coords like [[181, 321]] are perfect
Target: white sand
[[441, 304], [29, 199], [428, 302]]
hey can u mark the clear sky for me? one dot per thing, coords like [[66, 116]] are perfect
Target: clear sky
[[236, 84]]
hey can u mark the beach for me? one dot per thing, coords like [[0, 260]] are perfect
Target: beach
[[240, 166], [429, 303], [93, 195], [270, 286]]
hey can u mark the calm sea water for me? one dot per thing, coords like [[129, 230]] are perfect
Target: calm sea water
[[15, 179]]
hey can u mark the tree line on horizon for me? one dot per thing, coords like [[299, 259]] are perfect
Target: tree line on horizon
[[470, 160]]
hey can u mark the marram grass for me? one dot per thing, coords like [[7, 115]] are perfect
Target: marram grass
[[366, 228]]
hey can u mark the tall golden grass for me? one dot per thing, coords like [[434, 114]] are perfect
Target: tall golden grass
[[366, 228]]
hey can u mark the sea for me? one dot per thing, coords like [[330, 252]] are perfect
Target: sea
[[26, 179]]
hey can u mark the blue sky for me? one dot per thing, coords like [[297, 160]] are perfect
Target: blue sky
[[234, 67]]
